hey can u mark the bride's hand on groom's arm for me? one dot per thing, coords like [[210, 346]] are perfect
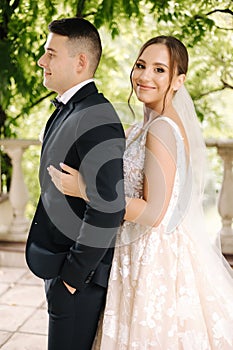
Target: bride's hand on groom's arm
[[69, 182]]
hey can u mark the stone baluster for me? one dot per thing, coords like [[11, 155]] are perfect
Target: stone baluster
[[18, 194], [225, 204], [225, 201]]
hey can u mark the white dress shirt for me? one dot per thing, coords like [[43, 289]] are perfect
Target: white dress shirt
[[64, 98]]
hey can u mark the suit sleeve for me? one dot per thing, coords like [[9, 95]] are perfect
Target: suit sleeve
[[100, 146]]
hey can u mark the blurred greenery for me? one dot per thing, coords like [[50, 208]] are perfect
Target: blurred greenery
[[205, 27]]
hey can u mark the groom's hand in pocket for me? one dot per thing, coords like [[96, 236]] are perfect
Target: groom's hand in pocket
[[70, 289]]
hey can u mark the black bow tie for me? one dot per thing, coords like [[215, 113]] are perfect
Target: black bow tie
[[57, 104]]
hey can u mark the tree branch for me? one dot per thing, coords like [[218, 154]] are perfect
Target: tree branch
[[226, 85], [209, 92], [6, 15], [220, 10], [223, 28], [36, 103], [3, 116], [89, 14], [15, 5], [80, 8]]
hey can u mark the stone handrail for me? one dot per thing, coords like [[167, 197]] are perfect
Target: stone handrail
[[15, 229]]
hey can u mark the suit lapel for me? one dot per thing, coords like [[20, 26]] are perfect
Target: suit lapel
[[55, 120], [50, 120], [58, 116]]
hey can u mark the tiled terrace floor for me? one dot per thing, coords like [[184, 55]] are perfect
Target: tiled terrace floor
[[23, 314]]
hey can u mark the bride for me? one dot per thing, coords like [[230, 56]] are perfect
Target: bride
[[169, 287]]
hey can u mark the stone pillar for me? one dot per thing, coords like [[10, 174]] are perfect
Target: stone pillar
[[18, 192], [225, 203], [18, 195]]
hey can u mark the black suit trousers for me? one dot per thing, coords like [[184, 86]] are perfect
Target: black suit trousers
[[73, 318]]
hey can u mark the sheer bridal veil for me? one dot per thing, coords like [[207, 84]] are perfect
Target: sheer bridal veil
[[193, 219]]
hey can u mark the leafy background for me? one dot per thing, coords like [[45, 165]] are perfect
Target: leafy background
[[205, 27]]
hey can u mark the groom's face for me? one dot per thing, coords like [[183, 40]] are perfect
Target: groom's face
[[59, 65]]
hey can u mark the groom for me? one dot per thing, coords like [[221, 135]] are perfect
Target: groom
[[70, 243]]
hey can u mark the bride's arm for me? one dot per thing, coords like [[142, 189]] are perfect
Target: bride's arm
[[69, 182], [159, 174]]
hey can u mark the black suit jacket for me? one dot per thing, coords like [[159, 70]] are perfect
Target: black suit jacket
[[69, 237]]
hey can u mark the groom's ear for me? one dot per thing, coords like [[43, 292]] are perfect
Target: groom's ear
[[81, 63], [178, 82]]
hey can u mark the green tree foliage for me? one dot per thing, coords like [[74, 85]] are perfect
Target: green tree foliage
[[21, 42], [205, 26]]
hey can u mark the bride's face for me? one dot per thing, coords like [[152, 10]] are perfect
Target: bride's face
[[150, 76]]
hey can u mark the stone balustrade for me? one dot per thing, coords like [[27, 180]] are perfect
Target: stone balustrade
[[14, 225]]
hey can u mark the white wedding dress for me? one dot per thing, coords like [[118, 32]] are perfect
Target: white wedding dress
[[161, 292]]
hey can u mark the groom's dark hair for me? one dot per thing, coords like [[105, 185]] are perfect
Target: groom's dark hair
[[82, 35]]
